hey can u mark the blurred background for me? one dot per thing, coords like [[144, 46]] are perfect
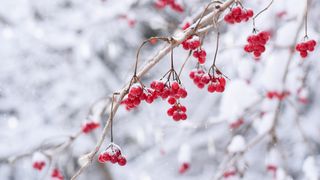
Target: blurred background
[[59, 58]]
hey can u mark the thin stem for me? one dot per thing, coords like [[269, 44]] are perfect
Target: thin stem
[[171, 57], [263, 10], [203, 13], [138, 52], [111, 116], [185, 62], [306, 21], [217, 48], [137, 57]]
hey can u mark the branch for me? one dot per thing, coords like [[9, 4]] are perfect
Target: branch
[[155, 60], [260, 137]]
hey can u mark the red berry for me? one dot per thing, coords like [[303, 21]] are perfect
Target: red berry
[[250, 13], [122, 161], [303, 54], [176, 116], [171, 100], [175, 86], [184, 167]]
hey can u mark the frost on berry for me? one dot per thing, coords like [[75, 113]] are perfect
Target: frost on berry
[[238, 15], [191, 43], [171, 91], [201, 55], [215, 82], [89, 126], [38, 161], [184, 167], [256, 43], [138, 93], [112, 154], [303, 95], [173, 4], [305, 47], [184, 158], [272, 160], [56, 174], [38, 165]]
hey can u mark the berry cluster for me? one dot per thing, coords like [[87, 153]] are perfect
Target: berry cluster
[[137, 93], [89, 126], [237, 15], [304, 47], [112, 154], [192, 43], [201, 55], [216, 82], [256, 43], [56, 174], [38, 165], [160, 4], [277, 95], [173, 91], [177, 111]]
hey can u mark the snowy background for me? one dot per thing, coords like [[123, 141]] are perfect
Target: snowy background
[[58, 58]]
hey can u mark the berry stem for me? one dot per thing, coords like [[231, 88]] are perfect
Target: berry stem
[[171, 58], [139, 50], [203, 13], [217, 48], [111, 115], [306, 21], [263, 10], [185, 62]]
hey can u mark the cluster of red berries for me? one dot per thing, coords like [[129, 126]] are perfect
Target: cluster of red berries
[[89, 126], [112, 154], [277, 95], [177, 111], [201, 79], [38, 165], [191, 43], [304, 47], [184, 167], [201, 55], [137, 94], [165, 90], [256, 43], [160, 4], [238, 14], [172, 91], [56, 174]]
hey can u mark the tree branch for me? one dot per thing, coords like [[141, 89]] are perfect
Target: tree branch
[[155, 60]]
